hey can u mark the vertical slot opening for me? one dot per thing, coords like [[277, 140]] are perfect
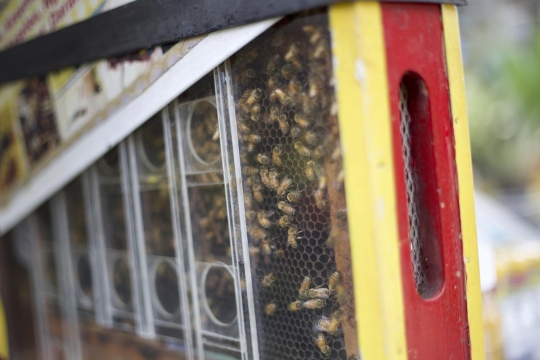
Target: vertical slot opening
[[421, 185]]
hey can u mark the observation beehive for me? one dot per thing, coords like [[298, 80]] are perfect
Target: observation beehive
[[304, 197]]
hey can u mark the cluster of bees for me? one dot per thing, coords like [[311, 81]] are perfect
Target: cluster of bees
[[312, 299], [204, 131], [283, 111]]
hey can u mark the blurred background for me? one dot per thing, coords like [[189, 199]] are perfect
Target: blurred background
[[501, 49]]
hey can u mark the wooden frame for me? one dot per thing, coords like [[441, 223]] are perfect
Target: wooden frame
[[143, 24]]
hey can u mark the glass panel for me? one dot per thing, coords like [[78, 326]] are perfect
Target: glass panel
[[116, 255], [293, 190], [49, 288]]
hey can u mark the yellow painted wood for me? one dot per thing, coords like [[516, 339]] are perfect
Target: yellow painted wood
[[465, 178], [364, 117], [4, 349]]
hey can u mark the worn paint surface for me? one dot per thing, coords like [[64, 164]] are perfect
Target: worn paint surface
[[436, 321], [465, 178], [364, 116]]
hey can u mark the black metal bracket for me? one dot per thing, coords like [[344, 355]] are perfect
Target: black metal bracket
[[143, 24]]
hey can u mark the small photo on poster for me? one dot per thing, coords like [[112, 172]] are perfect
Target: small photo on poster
[[12, 163], [37, 118]]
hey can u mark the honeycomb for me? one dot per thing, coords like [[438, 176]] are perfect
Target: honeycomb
[[294, 193]]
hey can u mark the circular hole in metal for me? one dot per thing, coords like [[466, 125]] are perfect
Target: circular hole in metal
[[219, 295], [166, 290], [84, 276], [121, 282], [151, 145], [203, 129]]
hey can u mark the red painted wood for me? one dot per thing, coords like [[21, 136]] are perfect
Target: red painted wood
[[437, 327]]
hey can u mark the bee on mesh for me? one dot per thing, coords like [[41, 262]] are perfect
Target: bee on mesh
[[331, 326], [323, 345]]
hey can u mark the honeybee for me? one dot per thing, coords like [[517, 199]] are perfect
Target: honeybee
[[249, 58], [283, 123], [265, 247], [319, 51], [263, 159], [323, 346], [320, 200], [268, 280], [331, 326], [319, 293], [255, 109], [296, 132], [285, 221], [286, 208], [294, 196], [341, 214], [250, 147], [277, 40], [284, 185], [254, 96], [264, 177], [274, 178], [292, 237], [277, 94], [245, 107], [288, 71], [254, 138], [314, 304], [303, 121], [322, 181], [319, 152], [263, 220], [255, 117], [302, 150], [292, 53], [296, 306], [244, 128], [274, 113], [311, 137], [253, 180], [334, 280], [257, 192], [254, 251], [215, 137], [309, 170], [258, 233], [250, 170], [273, 81], [315, 37], [270, 308], [336, 154], [273, 63], [308, 105], [340, 180], [333, 237], [309, 29], [276, 153], [294, 88], [250, 73], [304, 287], [279, 254], [314, 84]]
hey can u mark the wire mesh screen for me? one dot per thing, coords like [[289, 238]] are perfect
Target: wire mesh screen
[[294, 196], [414, 237]]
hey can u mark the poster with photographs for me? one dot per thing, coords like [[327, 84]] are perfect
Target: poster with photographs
[[12, 161], [37, 118]]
